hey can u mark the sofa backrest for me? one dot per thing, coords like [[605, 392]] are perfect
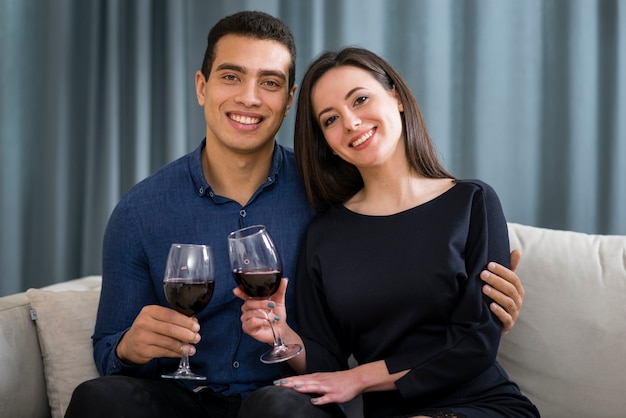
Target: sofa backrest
[[567, 350]]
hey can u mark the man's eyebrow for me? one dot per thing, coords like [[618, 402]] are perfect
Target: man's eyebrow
[[244, 70], [232, 67], [328, 109], [273, 73]]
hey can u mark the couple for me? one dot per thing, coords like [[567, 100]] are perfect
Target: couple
[[359, 283]]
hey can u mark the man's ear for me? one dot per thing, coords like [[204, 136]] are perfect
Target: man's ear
[[292, 95], [200, 87]]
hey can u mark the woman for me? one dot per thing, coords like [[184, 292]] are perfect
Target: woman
[[389, 271]]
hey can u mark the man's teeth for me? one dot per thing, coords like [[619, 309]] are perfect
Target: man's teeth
[[246, 120], [362, 139]]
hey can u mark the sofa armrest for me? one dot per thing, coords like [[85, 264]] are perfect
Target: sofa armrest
[[22, 381]]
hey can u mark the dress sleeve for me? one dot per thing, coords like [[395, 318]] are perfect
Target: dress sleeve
[[126, 288], [473, 334], [322, 341]]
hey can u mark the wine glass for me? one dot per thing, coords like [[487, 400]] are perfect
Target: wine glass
[[258, 270], [188, 284]]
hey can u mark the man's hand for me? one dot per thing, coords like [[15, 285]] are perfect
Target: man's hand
[[506, 290], [158, 332]]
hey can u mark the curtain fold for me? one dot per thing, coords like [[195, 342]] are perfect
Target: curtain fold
[[95, 95]]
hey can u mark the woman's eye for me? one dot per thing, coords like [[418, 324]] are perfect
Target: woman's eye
[[360, 100], [330, 120]]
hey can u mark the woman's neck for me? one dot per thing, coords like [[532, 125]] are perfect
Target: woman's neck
[[388, 190]]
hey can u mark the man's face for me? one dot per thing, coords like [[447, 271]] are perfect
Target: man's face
[[246, 96]]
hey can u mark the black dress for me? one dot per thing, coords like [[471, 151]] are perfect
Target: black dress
[[405, 289]]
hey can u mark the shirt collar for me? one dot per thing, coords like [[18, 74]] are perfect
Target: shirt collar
[[203, 187]]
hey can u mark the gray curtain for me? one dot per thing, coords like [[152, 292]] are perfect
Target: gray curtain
[[95, 95]]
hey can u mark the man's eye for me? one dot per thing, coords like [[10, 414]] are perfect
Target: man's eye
[[230, 77], [272, 85]]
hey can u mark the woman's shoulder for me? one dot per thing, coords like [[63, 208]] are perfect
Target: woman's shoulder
[[475, 185]]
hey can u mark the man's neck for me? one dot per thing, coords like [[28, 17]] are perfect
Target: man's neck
[[236, 175]]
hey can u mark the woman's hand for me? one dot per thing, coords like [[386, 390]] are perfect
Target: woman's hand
[[255, 314], [334, 387], [342, 386]]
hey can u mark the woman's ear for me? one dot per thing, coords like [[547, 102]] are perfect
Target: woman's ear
[[397, 96]]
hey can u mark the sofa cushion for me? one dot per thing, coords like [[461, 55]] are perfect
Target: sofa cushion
[[566, 350], [65, 321]]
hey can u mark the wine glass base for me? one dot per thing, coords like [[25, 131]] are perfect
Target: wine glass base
[[183, 375], [281, 353]]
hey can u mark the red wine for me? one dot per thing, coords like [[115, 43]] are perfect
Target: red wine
[[187, 297], [258, 284]]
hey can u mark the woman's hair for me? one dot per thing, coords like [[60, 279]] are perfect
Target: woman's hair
[[252, 24], [327, 178]]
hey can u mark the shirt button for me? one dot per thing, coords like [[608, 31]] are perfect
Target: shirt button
[[236, 364], [201, 191], [242, 213]]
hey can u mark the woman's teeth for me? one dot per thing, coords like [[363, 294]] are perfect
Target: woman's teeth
[[362, 139]]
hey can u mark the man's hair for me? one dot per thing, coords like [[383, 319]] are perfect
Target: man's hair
[[252, 24]]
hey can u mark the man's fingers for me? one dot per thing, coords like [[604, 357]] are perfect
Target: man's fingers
[[516, 257]]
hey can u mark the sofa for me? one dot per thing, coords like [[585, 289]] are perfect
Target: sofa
[[567, 351]]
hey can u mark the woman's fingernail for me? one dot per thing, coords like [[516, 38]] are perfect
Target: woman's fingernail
[[314, 400], [298, 386], [276, 382], [276, 317], [271, 305]]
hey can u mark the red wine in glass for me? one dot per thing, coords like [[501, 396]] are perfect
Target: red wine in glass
[[259, 283], [188, 284], [188, 298], [257, 269]]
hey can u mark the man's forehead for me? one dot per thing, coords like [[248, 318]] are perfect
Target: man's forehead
[[252, 54]]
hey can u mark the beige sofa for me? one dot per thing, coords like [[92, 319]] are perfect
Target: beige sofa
[[567, 351]]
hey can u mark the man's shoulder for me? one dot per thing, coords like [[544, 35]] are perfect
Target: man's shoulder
[[171, 173]]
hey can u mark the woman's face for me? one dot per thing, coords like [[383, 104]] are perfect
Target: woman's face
[[360, 119]]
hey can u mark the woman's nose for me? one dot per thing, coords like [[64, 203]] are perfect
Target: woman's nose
[[352, 121]]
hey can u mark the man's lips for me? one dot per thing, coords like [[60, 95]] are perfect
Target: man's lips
[[244, 120], [360, 140]]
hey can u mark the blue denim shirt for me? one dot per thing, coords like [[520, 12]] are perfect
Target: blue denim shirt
[[177, 205]]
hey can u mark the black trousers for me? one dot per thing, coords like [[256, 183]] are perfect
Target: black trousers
[[122, 396], [279, 402]]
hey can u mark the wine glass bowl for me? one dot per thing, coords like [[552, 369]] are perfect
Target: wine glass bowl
[[257, 269], [188, 283]]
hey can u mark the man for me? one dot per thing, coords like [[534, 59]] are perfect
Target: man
[[238, 176]]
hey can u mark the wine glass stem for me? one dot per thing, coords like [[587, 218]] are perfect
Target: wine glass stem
[[278, 341], [184, 359]]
